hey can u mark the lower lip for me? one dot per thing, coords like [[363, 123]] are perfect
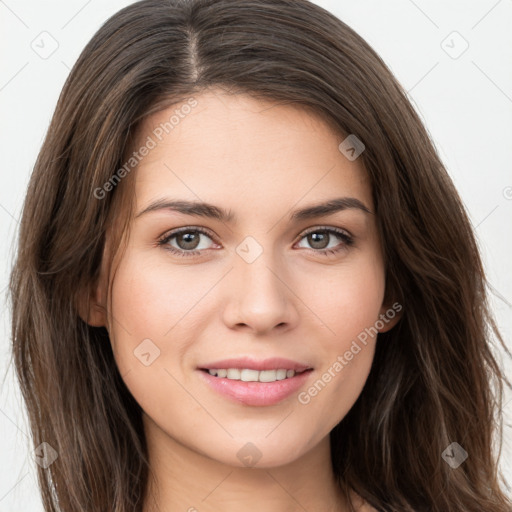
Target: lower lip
[[256, 393]]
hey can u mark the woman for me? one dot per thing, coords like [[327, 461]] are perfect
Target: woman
[[265, 370]]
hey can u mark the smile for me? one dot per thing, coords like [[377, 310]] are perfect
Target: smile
[[249, 375], [252, 387]]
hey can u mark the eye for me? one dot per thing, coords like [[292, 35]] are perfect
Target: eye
[[188, 240], [320, 237]]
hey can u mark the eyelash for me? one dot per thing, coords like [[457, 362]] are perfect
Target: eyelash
[[347, 240]]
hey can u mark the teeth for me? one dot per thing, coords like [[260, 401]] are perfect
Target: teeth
[[281, 374], [233, 373], [247, 375], [268, 376]]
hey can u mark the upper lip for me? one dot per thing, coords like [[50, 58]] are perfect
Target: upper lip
[[274, 363]]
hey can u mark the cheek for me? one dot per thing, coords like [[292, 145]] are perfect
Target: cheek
[[348, 300], [348, 305], [150, 302], [152, 310]]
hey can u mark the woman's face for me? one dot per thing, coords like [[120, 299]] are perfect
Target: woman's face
[[255, 287]]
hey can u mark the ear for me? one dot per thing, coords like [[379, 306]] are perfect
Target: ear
[[92, 304], [389, 316], [92, 300]]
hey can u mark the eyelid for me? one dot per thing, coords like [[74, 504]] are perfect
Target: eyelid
[[185, 229], [162, 239], [314, 229]]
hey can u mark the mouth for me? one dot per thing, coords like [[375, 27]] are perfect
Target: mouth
[[248, 382], [249, 375]]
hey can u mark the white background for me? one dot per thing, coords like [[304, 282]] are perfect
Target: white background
[[465, 102]]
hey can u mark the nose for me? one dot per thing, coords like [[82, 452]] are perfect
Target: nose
[[260, 298]]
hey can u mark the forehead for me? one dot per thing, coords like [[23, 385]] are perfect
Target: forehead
[[246, 152]]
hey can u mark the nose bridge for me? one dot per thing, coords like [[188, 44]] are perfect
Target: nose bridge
[[256, 267], [260, 297]]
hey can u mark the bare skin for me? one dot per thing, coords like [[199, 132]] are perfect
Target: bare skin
[[261, 161]]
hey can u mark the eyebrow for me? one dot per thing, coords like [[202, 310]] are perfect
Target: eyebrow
[[202, 209]]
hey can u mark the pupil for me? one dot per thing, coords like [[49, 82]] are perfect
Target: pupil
[[189, 242], [320, 237]]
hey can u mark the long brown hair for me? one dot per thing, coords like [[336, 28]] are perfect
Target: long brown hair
[[434, 380]]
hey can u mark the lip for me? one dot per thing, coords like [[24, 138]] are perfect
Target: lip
[[274, 363], [257, 394]]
